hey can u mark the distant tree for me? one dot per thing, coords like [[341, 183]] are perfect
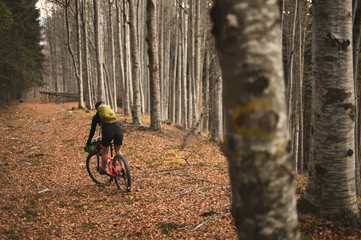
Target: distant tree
[[6, 17], [248, 40], [99, 59], [136, 111], [21, 55]]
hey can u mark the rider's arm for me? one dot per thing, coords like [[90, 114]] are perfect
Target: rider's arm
[[95, 121]]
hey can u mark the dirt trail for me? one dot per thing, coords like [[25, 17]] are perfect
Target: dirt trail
[[46, 193]]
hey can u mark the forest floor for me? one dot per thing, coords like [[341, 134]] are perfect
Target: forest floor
[[177, 193]]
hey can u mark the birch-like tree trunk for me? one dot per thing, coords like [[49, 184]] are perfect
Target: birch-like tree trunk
[[152, 40], [120, 52], [197, 60], [184, 44], [136, 111], [113, 85], [87, 79], [356, 51], [79, 48], [206, 93], [248, 40], [216, 105], [76, 64], [331, 183], [127, 72], [101, 87]]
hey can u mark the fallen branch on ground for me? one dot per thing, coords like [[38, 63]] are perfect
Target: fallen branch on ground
[[209, 220]]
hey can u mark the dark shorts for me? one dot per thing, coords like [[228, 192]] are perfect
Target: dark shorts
[[110, 132]]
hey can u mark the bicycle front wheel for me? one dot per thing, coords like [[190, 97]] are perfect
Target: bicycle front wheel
[[122, 173], [93, 163]]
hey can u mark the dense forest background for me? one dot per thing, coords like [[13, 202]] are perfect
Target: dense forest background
[[99, 50]]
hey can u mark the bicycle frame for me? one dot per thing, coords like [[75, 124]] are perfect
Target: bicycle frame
[[113, 171]]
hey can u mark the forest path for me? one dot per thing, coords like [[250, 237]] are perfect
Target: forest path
[[46, 192]]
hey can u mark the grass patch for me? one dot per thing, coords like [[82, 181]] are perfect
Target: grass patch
[[62, 204], [76, 193], [89, 225], [36, 155], [30, 210], [171, 153], [81, 207], [176, 162], [166, 227], [9, 208], [11, 231]]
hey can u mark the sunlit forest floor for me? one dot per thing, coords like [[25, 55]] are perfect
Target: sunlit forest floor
[[46, 192]]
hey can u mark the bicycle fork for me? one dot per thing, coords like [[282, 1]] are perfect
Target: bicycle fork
[[110, 166]]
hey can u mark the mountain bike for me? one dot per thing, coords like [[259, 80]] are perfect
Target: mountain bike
[[118, 167]]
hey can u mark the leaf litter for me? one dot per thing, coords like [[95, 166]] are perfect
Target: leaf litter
[[46, 192]]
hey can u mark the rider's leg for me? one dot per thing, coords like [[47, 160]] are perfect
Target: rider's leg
[[117, 149], [105, 152]]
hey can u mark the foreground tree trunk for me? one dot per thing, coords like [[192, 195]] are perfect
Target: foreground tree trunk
[[331, 184], [248, 40]]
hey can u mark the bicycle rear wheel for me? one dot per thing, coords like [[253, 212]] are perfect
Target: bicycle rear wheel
[[93, 163], [122, 178]]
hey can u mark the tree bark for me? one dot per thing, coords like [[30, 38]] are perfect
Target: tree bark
[[101, 87], [113, 84], [127, 61], [331, 183], [248, 41], [152, 40], [89, 95], [356, 50], [120, 51], [136, 111]]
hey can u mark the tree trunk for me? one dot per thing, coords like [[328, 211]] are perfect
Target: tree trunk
[[248, 40], [198, 60], [152, 40], [89, 95], [356, 50], [80, 62], [184, 44], [120, 48], [331, 183], [77, 68], [101, 87], [127, 72], [113, 84], [136, 111]]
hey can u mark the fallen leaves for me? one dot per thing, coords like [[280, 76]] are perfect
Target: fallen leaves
[[47, 193], [177, 193]]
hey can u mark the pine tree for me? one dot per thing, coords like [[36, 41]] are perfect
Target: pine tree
[[21, 55]]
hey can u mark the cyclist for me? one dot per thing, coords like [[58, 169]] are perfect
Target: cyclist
[[111, 130]]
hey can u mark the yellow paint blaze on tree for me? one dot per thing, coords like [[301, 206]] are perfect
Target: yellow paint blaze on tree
[[248, 107]]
